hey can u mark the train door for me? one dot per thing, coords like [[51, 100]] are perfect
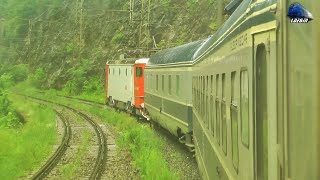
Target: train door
[[265, 107], [138, 84]]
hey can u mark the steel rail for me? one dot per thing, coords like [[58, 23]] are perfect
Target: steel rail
[[55, 158], [101, 158]]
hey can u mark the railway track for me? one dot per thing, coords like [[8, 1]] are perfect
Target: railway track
[[83, 100], [102, 143], [55, 158]]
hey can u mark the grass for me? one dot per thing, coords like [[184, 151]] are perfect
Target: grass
[[70, 170], [145, 146], [23, 149], [142, 142]]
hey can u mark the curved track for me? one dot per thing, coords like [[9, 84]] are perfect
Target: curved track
[[83, 100], [55, 158], [101, 158]]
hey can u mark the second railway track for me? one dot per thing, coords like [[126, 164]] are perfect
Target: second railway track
[[101, 138]]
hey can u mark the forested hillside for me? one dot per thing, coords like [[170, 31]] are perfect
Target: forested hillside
[[66, 43]]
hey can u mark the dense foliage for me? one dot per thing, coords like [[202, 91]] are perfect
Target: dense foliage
[[10, 75], [24, 149], [8, 116], [58, 38]]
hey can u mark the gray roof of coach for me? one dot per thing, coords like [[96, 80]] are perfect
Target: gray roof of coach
[[183, 53], [125, 61]]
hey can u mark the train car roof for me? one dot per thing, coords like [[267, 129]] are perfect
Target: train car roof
[[142, 61], [130, 61], [179, 54], [230, 27], [124, 61]]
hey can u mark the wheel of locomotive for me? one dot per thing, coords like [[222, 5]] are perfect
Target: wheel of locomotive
[[128, 106], [110, 101]]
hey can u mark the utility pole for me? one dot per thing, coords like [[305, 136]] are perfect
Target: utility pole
[[131, 6], [148, 27], [144, 29], [81, 43], [1, 30], [141, 23], [29, 33]]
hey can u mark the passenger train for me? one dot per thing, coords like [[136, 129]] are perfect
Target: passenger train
[[246, 98]]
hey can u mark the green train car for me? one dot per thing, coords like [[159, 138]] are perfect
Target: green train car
[[168, 93], [255, 95]]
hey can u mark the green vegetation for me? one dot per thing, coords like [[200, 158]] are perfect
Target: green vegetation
[[10, 75], [9, 118], [64, 46], [22, 149], [142, 142], [70, 170], [63, 43]]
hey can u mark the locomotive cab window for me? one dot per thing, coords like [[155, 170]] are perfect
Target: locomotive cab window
[[139, 72]]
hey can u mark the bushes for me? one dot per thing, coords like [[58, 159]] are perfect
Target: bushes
[[22, 150], [8, 116], [38, 78], [12, 75], [19, 72], [81, 81]]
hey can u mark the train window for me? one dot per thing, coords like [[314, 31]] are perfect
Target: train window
[[203, 98], [212, 106], [244, 107], [109, 70], [234, 124], [211, 92], [217, 110], [223, 77], [150, 82], [197, 89], [126, 71], [217, 85], [119, 71], [157, 82], [208, 103], [162, 83], [169, 84], [224, 114], [200, 95], [113, 71], [139, 72], [178, 84], [192, 89]]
